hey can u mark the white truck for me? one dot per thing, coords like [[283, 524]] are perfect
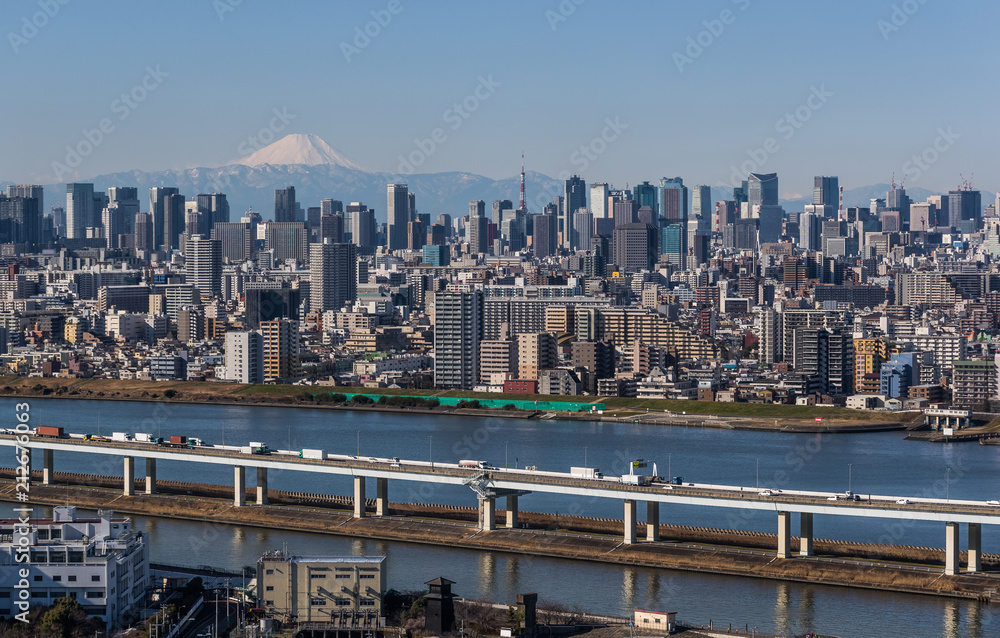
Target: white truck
[[121, 436], [585, 472], [639, 479], [143, 437], [318, 455]]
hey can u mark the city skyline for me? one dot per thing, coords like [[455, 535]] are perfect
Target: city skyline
[[697, 110]]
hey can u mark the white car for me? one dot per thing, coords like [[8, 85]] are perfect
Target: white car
[[993, 502], [833, 498], [767, 493], [903, 501]]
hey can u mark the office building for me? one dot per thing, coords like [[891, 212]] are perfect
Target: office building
[[363, 231], [674, 244], [244, 357], [826, 191], [583, 224], [342, 594], [398, 207], [499, 206], [644, 194], [236, 240], [574, 198], [285, 206], [437, 255], [458, 331], [269, 304], [599, 200], [214, 209], [288, 240], [543, 239], [701, 202], [20, 220], [203, 265], [100, 561], [79, 209], [675, 200], [144, 233], [158, 209], [173, 221], [635, 247], [333, 276], [763, 189], [33, 191], [965, 210], [330, 227]]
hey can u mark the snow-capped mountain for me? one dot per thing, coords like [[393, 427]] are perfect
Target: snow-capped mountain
[[298, 148]]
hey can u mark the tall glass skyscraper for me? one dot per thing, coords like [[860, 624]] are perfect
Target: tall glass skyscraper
[[645, 195], [79, 210], [763, 189], [826, 190], [574, 198], [675, 200], [398, 207]]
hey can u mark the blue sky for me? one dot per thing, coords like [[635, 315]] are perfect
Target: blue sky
[[888, 80]]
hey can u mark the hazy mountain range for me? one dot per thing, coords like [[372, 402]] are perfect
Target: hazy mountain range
[[319, 171]]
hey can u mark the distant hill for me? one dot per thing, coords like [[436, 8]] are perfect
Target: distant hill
[[319, 171]]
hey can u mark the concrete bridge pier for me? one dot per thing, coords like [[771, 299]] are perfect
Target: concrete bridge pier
[[512, 511], [806, 534], [382, 497], [951, 549], [629, 522], [129, 479], [239, 486], [487, 513], [261, 486], [784, 534], [652, 521], [359, 497], [47, 465], [975, 547], [150, 476]]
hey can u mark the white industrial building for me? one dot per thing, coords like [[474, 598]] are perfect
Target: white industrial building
[[100, 562]]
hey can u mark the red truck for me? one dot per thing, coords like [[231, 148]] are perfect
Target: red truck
[[178, 440], [50, 430]]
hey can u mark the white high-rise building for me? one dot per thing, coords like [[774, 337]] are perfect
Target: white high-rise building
[[599, 200], [333, 275], [203, 265], [244, 357], [101, 562], [79, 209], [701, 201]]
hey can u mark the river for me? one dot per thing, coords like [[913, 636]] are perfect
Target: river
[[873, 462]]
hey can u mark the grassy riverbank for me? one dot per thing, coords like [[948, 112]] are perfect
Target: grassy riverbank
[[311, 396]]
